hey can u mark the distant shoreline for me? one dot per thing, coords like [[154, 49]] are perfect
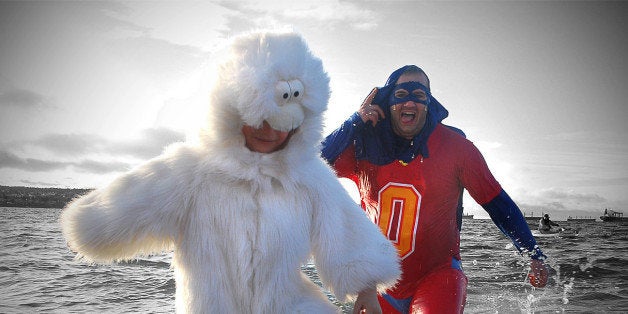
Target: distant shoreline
[[31, 197]]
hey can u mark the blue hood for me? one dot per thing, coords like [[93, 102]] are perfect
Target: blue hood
[[380, 145]]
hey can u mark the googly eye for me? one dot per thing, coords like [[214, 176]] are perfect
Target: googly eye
[[296, 89], [282, 91]]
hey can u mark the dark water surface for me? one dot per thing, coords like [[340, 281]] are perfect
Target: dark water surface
[[39, 274]]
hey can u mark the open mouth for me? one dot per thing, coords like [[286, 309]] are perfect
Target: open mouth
[[265, 140], [408, 117]]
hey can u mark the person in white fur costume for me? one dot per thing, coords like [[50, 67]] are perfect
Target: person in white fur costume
[[248, 205]]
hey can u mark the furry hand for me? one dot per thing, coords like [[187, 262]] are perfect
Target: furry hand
[[538, 273], [367, 303], [370, 112]]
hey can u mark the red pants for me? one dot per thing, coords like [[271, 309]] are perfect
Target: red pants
[[442, 291]]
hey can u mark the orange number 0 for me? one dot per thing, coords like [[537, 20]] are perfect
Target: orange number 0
[[399, 206]]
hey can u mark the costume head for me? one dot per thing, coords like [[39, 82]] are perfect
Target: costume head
[[272, 77], [379, 144]]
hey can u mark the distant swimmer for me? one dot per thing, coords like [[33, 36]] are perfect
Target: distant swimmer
[[545, 224]]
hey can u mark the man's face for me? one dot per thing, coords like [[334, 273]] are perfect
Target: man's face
[[265, 139], [408, 117]]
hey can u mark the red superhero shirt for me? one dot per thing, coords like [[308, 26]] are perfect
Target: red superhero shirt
[[415, 204]]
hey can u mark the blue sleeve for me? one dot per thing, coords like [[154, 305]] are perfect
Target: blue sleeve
[[508, 218], [341, 138]]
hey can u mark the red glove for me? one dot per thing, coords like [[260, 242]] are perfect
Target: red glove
[[538, 273]]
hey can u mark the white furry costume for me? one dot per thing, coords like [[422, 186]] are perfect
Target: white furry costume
[[240, 222]]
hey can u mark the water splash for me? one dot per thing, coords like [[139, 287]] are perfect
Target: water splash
[[567, 289]]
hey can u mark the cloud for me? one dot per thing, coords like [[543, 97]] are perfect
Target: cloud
[[71, 144], [570, 197], [23, 16], [332, 14], [149, 144], [157, 58], [556, 199], [87, 152], [485, 145], [99, 167], [21, 98], [10, 160], [340, 13]]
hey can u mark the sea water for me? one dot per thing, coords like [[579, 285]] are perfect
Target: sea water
[[38, 273]]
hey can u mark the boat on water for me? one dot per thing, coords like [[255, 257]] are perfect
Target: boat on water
[[467, 216], [554, 231], [611, 215], [557, 232]]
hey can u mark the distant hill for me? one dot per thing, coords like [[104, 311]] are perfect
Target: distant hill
[[21, 196]]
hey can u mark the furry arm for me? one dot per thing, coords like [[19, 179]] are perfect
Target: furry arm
[[133, 215], [351, 254]]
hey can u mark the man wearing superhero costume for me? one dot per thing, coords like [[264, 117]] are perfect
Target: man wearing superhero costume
[[410, 170]]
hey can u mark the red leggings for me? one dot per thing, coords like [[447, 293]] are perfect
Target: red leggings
[[442, 291]]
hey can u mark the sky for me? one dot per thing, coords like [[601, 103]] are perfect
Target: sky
[[89, 90]]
